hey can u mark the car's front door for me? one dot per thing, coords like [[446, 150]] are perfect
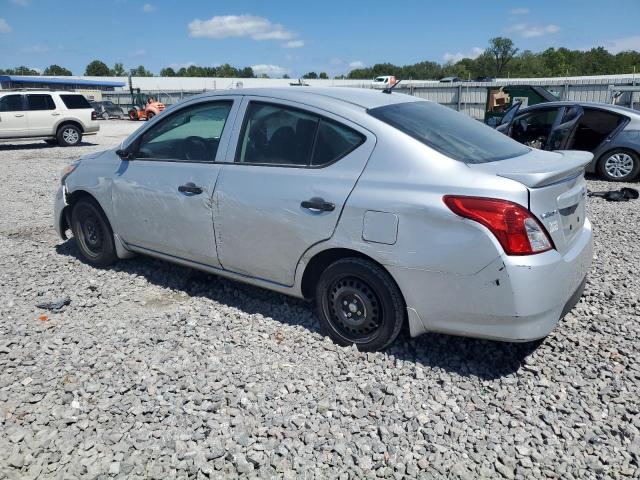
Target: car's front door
[[13, 121], [285, 186], [42, 114], [563, 132], [162, 198]]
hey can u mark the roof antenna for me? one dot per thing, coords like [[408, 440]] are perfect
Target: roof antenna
[[389, 89]]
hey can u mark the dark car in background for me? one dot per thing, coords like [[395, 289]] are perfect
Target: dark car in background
[[610, 132], [107, 109]]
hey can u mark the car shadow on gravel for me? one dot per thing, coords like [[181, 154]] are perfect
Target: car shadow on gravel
[[485, 359], [41, 145]]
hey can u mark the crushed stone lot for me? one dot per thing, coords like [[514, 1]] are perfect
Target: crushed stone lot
[[158, 371]]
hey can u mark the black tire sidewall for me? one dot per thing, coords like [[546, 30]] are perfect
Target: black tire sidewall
[[634, 173], [389, 296], [62, 142], [108, 254]]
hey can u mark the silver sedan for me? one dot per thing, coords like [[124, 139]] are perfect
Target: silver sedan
[[388, 210]]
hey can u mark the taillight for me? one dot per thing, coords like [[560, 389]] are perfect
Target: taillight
[[94, 115], [516, 229]]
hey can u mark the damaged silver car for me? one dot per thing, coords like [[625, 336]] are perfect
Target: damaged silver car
[[385, 209]]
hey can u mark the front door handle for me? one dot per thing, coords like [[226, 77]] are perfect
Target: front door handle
[[190, 188], [318, 204], [19, 115]]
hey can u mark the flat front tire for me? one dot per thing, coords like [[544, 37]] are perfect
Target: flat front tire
[[359, 303], [93, 233]]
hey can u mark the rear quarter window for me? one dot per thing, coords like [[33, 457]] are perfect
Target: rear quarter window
[[449, 132], [75, 102]]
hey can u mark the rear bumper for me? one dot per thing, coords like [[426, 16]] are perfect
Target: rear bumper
[[511, 299]]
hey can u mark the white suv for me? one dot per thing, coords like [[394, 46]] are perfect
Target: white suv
[[56, 117]]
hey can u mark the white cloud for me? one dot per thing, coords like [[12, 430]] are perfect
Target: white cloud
[[4, 26], [519, 11], [22, 3], [268, 69], [526, 30], [225, 26], [356, 64], [293, 44], [148, 8], [141, 52], [456, 57], [622, 44]]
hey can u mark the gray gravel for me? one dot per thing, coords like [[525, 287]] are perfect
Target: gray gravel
[[157, 371]]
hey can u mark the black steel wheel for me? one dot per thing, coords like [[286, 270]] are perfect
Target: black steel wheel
[[359, 304], [93, 233]]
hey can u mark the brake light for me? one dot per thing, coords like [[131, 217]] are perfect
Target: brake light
[[517, 230], [94, 115]]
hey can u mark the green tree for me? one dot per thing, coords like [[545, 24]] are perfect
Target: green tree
[[310, 75], [167, 72], [118, 70], [247, 72], [502, 50], [286, 76], [323, 75], [56, 70], [97, 69], [140, 71]]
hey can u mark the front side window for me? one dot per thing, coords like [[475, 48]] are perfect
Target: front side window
[[449, 132], [191, 134], [279, 135], [40, 102], [75, 102], [533, 128], [11, 103]]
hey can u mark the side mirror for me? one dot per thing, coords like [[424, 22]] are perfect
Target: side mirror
[[125, 155]]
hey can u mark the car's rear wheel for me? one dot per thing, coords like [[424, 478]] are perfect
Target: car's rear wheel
[[93, 233], [359, 303], [619, 165], [69, 135]]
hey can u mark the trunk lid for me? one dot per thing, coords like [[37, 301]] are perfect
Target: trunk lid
[[557, 189]]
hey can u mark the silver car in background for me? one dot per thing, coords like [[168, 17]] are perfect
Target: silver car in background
[[386, 209]]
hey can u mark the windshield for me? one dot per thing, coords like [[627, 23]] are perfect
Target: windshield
[[449, 132]]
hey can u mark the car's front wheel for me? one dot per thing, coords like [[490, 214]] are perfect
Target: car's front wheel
[[93, 233], [619, 165], [359, 303], [69, 135]]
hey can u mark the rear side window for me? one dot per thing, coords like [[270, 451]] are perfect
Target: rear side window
[[333, 142], [40, 102], [75, 102], [279, 135], [451, 133], [11, 103]]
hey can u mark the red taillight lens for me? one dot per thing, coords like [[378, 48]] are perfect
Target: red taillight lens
[[94, 115], [516, 229]]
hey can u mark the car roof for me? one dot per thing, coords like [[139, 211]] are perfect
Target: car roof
[[567, 103], [322, 97]]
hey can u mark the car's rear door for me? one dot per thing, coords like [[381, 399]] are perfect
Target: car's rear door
[[284, 186], [42, 114], [162, 199], [13, 121]]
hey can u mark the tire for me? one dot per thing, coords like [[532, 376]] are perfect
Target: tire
[[51, 141], [359, 303], [69, 135], [133, 114], [619, 165], [150, 115], [93, 233]]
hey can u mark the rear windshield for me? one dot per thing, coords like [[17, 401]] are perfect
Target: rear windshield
[[74, 102], [449, 132]]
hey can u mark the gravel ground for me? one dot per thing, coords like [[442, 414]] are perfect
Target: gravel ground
[[157, 371]]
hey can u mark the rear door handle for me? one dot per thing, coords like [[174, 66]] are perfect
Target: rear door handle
[[19, 115], [190, 188], [318, 204]]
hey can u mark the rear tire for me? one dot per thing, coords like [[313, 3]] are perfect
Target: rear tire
[[93, 233], [619, 165], [69, 135], [359, 303]]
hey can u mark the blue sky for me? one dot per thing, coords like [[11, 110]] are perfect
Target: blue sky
[[295, 37]]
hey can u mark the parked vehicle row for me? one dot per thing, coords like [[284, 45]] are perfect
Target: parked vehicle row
[[107, 109], [386, 209], [60, 118]]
